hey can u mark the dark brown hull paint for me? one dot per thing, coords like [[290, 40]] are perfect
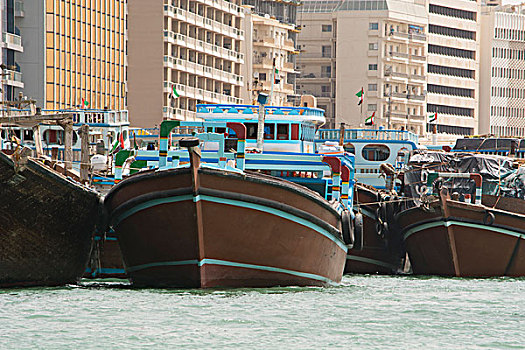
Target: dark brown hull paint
[[229, 236], [457, 240], [379, 255], [46, 226]]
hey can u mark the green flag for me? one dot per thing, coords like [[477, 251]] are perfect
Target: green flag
[[360, 94], [174, 93]]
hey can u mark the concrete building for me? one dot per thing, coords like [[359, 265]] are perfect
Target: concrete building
[[12, 83], [74, 53], [379, 46], [453, 66], [270, 58], [187, 46], [502, 71]]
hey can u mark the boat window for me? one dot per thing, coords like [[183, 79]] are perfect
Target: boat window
[[349, 148], [269, 131], [53, 137], [220, 130], [28, 135], [295, 131], [282, 131], [125, 134], [251, 131], [378, 153]]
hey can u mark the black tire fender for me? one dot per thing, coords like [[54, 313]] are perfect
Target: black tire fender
[[489, 218], [347, 228], [358, 232]]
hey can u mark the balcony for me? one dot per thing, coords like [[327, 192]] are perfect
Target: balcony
[[12, 41], [420, 98], [397, 36], [417, 37], [202, 70], [198, 93], [397, 76], [13, 78], [178, 113], [203, 22], [419, 78], [418, 58], [317, 76], [311, 56], [202, 46]]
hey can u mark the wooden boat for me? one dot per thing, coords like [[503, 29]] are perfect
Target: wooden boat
[[381, 250], [203, 226], [449, 237], [46, 224]]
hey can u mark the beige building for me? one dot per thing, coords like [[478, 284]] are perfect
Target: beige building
[[502, 71], [453, 66], [379, 46], [192, 47], [270, 59], [74, 52]]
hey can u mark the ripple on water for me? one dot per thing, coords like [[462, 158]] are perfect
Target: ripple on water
[[364, 312]]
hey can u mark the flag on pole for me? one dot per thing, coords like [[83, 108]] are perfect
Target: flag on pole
[[433, 118], [370, 120], [84, 103], [118, 144], [174, 93], [361, 96]]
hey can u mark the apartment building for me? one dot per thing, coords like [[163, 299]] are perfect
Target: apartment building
[[502, 71], [74, 53], [377, 46], [271, 65], [181, 53], [12, 83], [453, 66]]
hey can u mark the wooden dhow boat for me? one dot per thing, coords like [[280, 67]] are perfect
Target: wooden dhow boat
[[201, 226], [47, 223], [450, 235]]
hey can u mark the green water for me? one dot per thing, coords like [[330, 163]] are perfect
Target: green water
[[365, 312]]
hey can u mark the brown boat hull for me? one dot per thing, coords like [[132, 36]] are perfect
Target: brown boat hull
[[239, 230], [465, 241], [46, 226], [380, 255]]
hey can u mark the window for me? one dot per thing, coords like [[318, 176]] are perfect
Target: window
[[251, 131], [372, 107], [373, 26], [348, 147], [372, 67], [262, 76], [269, 131], [376, 153], [372, 46], [326, 71], [326, 28], [282, 131], [325, 88], [372, 87], [326, 51]]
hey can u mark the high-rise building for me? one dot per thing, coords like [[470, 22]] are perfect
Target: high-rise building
[[12, 83], [270, 65], [376, 46], [502, 71], [74, 53], [181, 53], [453, 65]]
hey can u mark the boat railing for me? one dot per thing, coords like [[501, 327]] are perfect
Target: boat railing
[[252, 109], [367, 134], [94, 116]]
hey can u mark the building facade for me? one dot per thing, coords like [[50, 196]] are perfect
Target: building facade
[[272, 63], [376, 46], [181, 53], [12, 83], [74, 53], [502, 68], [453, 66]]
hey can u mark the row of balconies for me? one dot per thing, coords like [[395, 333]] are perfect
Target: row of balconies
[[288, 44], [281, 87], [404, 56], [178, 113], [404, 76], [405, 37], [405, 116], [202, 46], [267, 63], [202, 70], [225, 6], [405, 96], [201, 94], [203, 22]]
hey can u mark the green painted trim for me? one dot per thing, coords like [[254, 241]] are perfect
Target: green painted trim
[[166, 126], [121, 157], [233, 264], [449, 223], [370, 261]]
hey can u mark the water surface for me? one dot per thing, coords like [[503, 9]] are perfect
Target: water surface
[[368, 312]]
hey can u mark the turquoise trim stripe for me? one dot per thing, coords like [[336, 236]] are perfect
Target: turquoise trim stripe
[[370, 261], [275, 212], [149, 204], [233, 264], [236, 203], [449, 223]]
